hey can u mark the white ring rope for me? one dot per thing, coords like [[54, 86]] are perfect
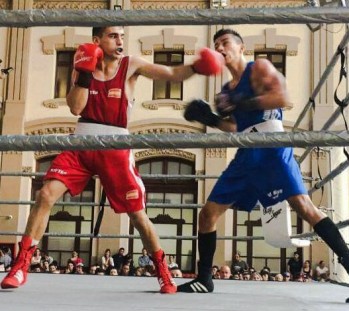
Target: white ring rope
[[146, 141], [229, 16]]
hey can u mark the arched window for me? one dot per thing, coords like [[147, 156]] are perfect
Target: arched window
[[171, 221]]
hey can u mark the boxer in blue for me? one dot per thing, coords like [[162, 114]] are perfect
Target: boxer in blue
[[252, 102]]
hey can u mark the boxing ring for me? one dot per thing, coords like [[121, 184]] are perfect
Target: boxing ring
[[75, 292]]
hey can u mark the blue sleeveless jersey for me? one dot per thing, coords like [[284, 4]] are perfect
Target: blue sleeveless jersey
[[267, 175]]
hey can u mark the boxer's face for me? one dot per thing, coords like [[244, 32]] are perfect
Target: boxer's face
[[112, 41], [230, 47]]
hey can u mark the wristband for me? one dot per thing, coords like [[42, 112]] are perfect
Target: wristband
[[84, 79]]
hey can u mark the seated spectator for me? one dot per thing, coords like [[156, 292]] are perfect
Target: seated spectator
[[215, 272], [246, 276], [307, 271], [93, 269], [172, 262], [79, 269], [45, 266], [119, 258], [287, 276], [236, 276], [255, 276], [238, 265], [36, 259], [265, 275], [5, 260], [100, 271], [75, 259], [129, 261], [107, 260], [139, 271], [113, 271], [322, 273], [70, 268], [144, 260], [225, 273], [46, 257], [35, 268], [278, 277], [176, 272], [53, 268], [125, 270]]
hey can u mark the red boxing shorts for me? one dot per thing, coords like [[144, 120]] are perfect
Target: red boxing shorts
[[115, 168]]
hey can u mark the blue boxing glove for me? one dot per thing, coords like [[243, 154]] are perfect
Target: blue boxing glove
[[200, 111]]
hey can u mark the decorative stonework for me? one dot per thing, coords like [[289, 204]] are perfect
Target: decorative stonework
[[216, 153], [163, 130], [5, 4], [267, 3], [51, 130], [66, 41], [167, 5], [151, 153], [76, 5], [163, 103], [54, 103], [270, 40], [44, 154], [168, 41], [27, 169], [319, 154]]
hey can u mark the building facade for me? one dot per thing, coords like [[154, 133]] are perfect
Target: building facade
[[33, 103]]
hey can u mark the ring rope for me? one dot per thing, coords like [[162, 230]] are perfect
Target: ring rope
[[323, 78], [229, 16], [325, 127], [188, 140]]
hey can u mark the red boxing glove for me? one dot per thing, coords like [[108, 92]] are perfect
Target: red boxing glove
[[210, 62], [87, 56]]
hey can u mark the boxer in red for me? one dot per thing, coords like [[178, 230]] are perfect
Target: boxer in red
[[102, 96]]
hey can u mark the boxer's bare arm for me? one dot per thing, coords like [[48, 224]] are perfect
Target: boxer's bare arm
[[269, 85]]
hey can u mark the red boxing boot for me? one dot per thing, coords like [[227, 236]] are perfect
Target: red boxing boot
[[167, 284], [19, 270]]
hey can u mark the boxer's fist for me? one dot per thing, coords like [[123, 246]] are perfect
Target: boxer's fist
[[225, 103], [200, 111], [87, 56], [209, 63]]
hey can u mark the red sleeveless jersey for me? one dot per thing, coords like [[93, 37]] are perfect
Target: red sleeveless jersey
[[107, 102]]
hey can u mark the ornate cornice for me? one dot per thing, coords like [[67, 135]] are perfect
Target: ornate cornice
[[319, 154], [54, 103], [162, 130], [167, 5], [267, 3], [216, 153], [194, 4], [75, 5], [51, 130], [163, 103], [5, 4], [151, 153], [44, 154]]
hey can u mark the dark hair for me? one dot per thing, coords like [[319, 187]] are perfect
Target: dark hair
[[223, 31], [98, 31]]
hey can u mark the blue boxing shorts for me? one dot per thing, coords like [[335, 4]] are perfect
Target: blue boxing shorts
[[268, 175]]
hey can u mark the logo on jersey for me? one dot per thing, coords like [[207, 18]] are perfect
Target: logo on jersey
[[275, 193], [132, 195], [116, 93], [58, 171], [93, 92]]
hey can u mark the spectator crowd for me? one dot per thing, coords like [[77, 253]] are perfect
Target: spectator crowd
[[121, 264]]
